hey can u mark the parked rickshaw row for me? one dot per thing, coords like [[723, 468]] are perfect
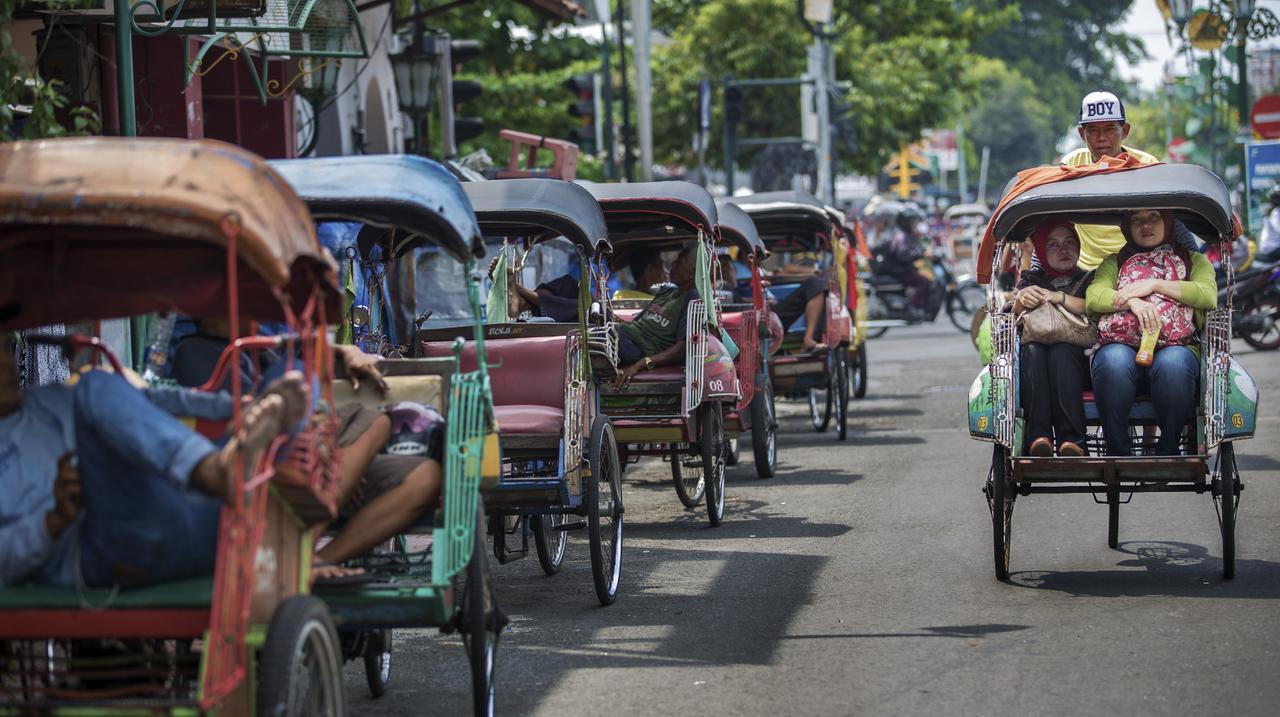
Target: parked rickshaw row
[[532, 402]]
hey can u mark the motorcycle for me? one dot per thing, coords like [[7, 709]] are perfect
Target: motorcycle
[[1256, 306], [887, 299]]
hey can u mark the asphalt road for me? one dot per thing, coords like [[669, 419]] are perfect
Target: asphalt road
[[859, 581]]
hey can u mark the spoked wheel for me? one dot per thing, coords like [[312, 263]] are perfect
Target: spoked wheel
[[1267, 338], [1226, 496], [549, 540], [480, 623], [764, 429], [1000, 497], [821, 399], [841, 376], [858, 372], [711, 439], [686, 473], [377, 662], [604, 512], [963, 302], [300, 668]]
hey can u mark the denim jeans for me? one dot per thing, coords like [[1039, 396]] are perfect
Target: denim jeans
[[1172, 381], [141, 524]]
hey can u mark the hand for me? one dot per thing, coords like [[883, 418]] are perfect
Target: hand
[[68, 499], [1147, 313], [623, 379], [1032, 297], [1136, 290], [361, 365]]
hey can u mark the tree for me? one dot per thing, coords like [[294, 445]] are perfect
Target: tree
[[22, 86], [1003, 113], [903, 60]]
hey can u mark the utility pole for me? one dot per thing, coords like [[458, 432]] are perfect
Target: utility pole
[[644, 85], [822, 96], [962, 165], [628, 160], [610, 167]]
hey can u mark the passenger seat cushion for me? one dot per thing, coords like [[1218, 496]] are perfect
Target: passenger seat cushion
[[528, 420], [526, 371]]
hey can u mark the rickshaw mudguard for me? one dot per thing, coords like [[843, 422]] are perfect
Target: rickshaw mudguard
[[1241, 406], [718, 372], [982, 408]]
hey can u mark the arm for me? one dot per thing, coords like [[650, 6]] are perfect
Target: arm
[[1100, 296], [189, 403], [1199, 290]]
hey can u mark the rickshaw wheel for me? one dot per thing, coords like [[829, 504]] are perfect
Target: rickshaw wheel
[[300, 667], [549, 540], [1226, 494], [377, 662], [604, 512], [688, 478], [1000, 497], [820, 418], [963, 303], [764, 429], [858, 371], [711, 438], [1266, 305], [841, 376], [481, 623]]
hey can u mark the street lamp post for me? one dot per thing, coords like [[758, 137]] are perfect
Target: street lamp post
[[1242, 10]]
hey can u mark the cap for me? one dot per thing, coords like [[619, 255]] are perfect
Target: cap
[[1101, 107]]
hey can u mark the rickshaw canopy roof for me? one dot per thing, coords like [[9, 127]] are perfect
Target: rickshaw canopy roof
[[786, 215], [965, 210], [402, 192], [647, 208], [1195, 195], [543, 208], [736, 227], [98, 227]]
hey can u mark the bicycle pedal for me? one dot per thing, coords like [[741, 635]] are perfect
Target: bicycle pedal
[[578, 525]]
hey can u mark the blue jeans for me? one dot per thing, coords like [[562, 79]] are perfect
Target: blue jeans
[[1172, 381], [141, 524]]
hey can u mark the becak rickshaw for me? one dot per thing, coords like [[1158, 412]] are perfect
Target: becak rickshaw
[[560, 459], [796, 227], [1225, 411], [962, 226], [674, 411], [854, 299], [98, 228], [757, 333], [402, 204]]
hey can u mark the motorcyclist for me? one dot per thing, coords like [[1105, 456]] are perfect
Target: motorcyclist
[[898, 259], [1269, 237]]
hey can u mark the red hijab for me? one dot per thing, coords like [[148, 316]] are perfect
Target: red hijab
[[1040, 238]]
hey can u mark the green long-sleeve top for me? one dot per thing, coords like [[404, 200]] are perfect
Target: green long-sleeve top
[[1199, 290]]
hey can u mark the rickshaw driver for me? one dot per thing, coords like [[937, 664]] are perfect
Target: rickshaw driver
[[1102, 127], [656, 336], [95, 476]]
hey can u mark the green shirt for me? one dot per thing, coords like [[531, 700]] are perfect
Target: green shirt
[[662, 323]]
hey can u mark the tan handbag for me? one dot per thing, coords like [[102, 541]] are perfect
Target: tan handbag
[[1052, 323]]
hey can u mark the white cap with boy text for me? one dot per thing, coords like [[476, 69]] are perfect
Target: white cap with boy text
[[1101, 107]]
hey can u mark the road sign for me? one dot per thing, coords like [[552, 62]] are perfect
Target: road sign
[[1262, 173], [1265, 117], [1179, 150]]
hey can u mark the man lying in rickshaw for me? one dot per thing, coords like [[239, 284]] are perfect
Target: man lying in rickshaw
[[656, 336], [809, 299], [1152, 295], [103, 484], [380, 494]]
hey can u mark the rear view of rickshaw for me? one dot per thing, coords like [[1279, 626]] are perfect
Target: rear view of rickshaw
[[808, 261], [1227, 397], [399, 204], [752, 326], [560, 459], [92, 229], [676, 412]]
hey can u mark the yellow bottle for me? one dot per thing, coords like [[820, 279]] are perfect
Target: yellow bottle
[[1147, 349]]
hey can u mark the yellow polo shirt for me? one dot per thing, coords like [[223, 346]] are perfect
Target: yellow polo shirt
[[1097, 242]]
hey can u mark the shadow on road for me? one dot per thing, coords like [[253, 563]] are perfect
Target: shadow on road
[[743, 519], [962, 631], [1170, 569]]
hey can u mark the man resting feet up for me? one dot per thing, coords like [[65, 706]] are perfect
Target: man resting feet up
[[101, 482]]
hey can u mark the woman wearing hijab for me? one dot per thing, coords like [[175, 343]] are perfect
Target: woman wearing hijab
[[1054, 376], [1151, 284]]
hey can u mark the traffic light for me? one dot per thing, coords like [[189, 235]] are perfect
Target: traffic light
[[464, 128], [583, 108], [844, 130]]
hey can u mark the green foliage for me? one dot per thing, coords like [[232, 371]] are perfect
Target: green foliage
[[21, 86], [1004, 114], [903, 59]]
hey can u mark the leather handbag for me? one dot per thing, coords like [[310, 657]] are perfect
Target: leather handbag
[[1052, 323]]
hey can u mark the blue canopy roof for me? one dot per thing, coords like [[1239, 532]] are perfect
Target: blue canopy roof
[[402, 192]]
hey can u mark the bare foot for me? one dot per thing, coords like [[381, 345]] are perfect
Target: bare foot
[[292, 387], [325, 570], [813, 347]]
